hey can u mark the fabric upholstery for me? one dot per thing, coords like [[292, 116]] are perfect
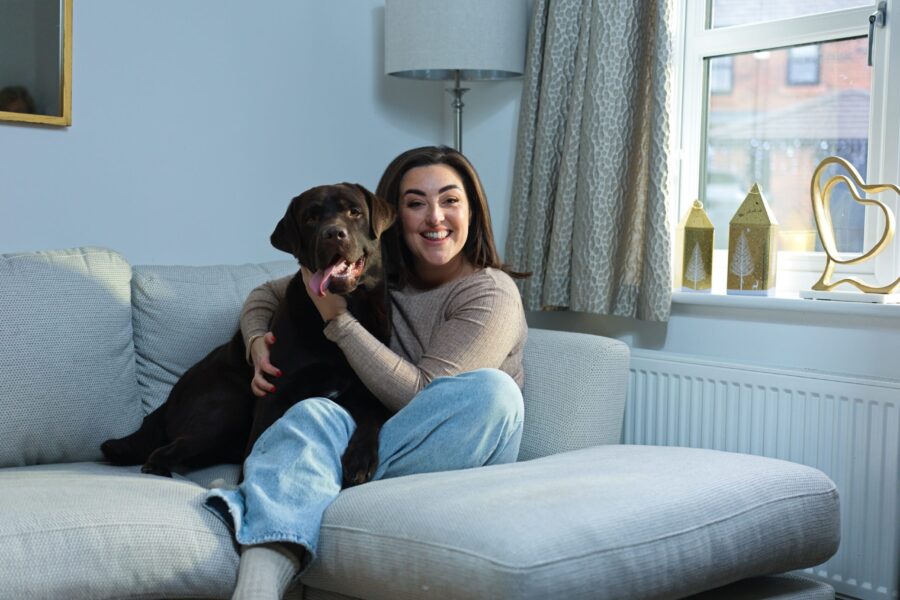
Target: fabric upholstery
[[215, 476], [773, 587], [591, 178], [319, 594], [91, 531], [182, 313], [604, 522], [67, 378], [574, 392]]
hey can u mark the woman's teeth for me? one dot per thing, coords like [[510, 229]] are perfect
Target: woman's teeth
[[436, 235]]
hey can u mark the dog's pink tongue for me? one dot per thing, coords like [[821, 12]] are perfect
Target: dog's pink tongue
[[318, 283]]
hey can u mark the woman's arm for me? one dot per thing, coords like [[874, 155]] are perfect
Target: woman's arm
[[256, 315], [482, 324], [259, 307]]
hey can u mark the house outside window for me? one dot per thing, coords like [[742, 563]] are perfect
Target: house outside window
[[800, 90], [721, 75], [803, 65]]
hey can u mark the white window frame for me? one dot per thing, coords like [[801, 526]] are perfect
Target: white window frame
[[695, 42]]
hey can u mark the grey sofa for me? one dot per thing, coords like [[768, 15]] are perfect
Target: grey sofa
[[90, 345]]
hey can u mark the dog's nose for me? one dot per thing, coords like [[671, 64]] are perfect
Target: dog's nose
[[334, 232]]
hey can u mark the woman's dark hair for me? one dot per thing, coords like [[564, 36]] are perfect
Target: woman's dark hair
[[479, 249], [17, 99]]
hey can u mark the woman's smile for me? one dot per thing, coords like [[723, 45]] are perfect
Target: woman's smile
[[436, 236]]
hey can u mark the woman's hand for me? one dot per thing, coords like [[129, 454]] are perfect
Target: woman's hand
[[329, 305], [259, 354]]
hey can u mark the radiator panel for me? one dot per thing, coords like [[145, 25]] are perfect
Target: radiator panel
[[847, 427]]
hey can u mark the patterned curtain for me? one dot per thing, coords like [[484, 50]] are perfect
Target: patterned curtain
[[589, 216]]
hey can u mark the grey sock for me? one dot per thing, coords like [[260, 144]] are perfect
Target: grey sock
[[265, 572]]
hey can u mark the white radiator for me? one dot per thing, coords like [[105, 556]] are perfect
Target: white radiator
[[845, 426]]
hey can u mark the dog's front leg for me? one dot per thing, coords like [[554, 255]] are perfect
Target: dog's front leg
[[360, 459]]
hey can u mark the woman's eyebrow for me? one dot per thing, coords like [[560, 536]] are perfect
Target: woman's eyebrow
[[446, 188]]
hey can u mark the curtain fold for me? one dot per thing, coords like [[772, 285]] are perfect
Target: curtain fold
[[588, 216]]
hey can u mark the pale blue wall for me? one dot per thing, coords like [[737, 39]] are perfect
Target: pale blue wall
[[195, 122]]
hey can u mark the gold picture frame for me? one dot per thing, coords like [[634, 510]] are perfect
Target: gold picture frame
[[64, 119]]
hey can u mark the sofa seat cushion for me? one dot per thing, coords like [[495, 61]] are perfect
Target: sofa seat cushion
[[604, 522], [68, 376], [88, 530], [181, 313]]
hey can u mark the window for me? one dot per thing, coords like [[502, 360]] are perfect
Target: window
[[727, 13], [803, 65], [769, 89]]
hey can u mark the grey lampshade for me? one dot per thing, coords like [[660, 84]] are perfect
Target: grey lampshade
[[431, 39]]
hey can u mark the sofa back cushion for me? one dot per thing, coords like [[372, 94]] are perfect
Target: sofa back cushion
[[181, 313], [67, 380], [575, 386]]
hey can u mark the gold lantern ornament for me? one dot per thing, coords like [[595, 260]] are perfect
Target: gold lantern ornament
[[694, 251], [752, 247]]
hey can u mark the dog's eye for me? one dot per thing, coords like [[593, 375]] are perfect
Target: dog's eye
[[311, 219], [355, 212]]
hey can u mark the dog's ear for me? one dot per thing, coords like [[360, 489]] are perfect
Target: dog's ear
[[286, 236], [381, 214]]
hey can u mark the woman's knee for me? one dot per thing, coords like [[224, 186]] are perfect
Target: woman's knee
[[313, 406], [316, 411], [495, 393], [314, 420]]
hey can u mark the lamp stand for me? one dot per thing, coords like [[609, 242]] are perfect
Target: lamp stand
[[457, 104]]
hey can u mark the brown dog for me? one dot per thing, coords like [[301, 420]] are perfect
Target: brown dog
[[212, 417]]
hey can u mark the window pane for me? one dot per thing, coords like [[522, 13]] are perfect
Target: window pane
[[769, 132], [721, 75], [744, 12]]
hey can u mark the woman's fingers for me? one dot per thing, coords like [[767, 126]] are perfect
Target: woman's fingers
[[258, 385], [259, 353]]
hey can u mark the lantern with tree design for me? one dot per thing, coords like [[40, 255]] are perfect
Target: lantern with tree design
[[752, 247], [694, 251]]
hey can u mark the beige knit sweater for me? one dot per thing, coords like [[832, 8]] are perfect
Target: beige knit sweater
[[473, 322]]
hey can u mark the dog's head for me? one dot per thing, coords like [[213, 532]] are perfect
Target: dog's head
[[334, 231]]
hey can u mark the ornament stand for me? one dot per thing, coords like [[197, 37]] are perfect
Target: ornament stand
[[850, 297]]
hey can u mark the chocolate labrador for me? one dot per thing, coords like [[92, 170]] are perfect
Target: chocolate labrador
[[212, 417]]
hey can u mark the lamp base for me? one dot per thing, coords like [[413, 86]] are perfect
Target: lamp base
[[457, 104]]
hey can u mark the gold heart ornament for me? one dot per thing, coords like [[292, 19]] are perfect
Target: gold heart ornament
[[821, 203]]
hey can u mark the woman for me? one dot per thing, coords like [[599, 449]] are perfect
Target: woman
[[452, 373]]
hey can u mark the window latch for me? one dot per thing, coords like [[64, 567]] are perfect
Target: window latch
[[876, 18]]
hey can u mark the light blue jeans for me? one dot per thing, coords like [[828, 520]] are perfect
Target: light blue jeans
[[294, 470]]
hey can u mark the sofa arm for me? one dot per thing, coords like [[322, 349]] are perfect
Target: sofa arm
[[574, 392]]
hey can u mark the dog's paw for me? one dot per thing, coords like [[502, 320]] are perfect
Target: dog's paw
[[154, 469], [358, 467], [116, 451]]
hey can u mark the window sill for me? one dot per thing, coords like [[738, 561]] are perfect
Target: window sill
[[786, 301]]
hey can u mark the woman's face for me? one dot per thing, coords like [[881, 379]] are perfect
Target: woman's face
[[435, 214]]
